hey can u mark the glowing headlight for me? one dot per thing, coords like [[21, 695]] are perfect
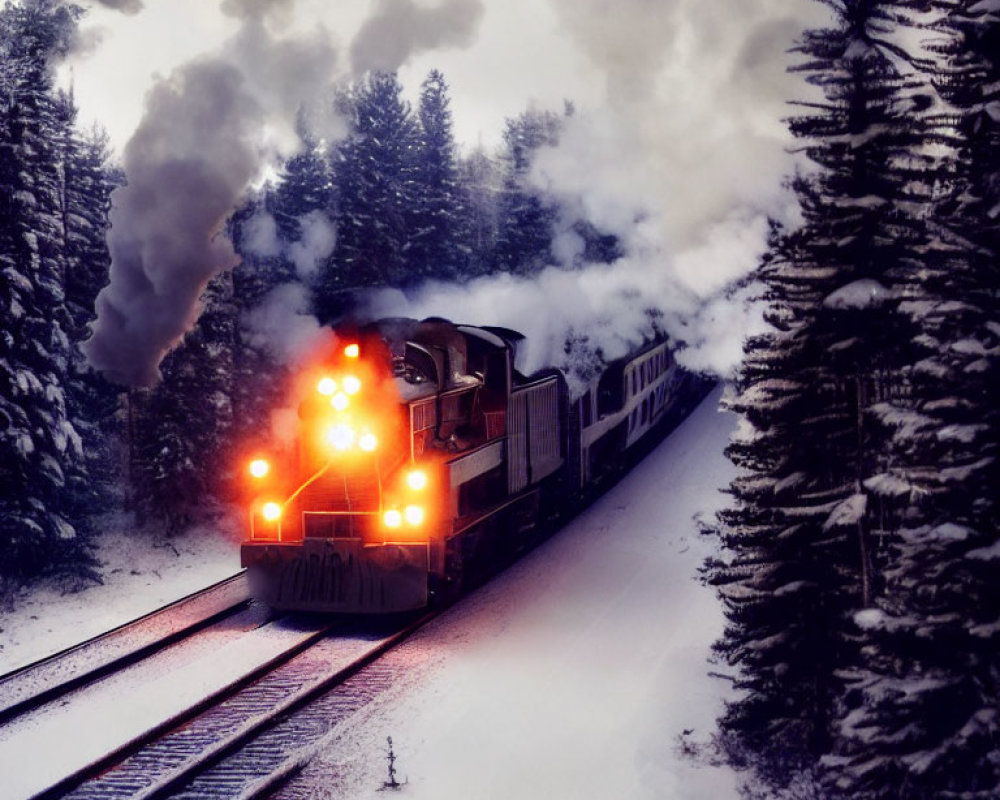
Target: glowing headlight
[[352, 385], [327, 386], [259, 468], [392, 519], [271, 512], [352, 351], [414, 515], [341, 437], [417, 480], [340, 401], [368, 442]]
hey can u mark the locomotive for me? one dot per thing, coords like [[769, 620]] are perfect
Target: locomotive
[[422, 457]]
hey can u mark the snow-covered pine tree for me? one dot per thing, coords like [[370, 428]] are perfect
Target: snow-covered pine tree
[[481, 182], [525, 218], [181, 427], [373, 171], [438, 220], [920, 719], [93, 402], [40, 450], [804, 538]]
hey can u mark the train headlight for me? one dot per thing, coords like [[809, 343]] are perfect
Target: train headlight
[[392, 518], [271, 512], [351, 384], [259, 468], [368, 442], [352, 351], [414, 515], [340, 437], [340, 401], [417, 480], [326, 386]]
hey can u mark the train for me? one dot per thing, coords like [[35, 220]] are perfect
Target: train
[[419, 458]]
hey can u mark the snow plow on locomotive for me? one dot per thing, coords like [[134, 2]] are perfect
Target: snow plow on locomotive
[[421, 454]]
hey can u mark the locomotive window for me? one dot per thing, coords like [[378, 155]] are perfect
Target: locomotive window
[[633, 382]]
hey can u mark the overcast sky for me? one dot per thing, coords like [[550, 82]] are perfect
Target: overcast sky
[[678, 145]]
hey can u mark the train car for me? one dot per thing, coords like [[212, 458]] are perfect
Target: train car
[[422, 458]]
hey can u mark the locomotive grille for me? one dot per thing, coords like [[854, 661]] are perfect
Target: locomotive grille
[[342, 493]]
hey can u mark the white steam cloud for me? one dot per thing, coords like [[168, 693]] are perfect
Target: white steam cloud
[[684, 161], [125, 6]]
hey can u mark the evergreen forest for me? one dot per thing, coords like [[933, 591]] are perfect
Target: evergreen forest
[[860, 559]]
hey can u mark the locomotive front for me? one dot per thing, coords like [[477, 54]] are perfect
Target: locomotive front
[[343, 521]]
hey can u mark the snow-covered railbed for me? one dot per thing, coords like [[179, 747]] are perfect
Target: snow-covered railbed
[[57, 743], [582, 672], [51, 677]]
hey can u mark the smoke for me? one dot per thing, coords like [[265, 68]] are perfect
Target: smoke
[[283, 326], [316, 241], [683, 159], [130, 7], [209, 130], [400, 29]]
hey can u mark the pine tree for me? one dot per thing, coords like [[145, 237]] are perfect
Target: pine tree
[[481, 183], [437, 247], [93, 402], [374, 175], [808, 529], [920, 717], [181, 427], [525, 217], [40, 450]]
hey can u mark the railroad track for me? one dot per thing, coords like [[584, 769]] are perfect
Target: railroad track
[[29, 687], [181, 696]]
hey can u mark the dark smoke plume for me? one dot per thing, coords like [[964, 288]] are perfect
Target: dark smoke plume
[[399, 29], [197, 150], [187, 163]]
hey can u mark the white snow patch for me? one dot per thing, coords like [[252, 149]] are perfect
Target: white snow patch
[[141, 572], [864, 293]]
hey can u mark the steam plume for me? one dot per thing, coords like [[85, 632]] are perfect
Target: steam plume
[[399, 29], [125, 6], [198, 148], [683, 160]]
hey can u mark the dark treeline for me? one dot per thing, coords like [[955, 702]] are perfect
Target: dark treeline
[[860, 576], [392, 203]]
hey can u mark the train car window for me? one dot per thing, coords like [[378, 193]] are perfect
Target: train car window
[[645, 410], [633, 382], [635, 414]]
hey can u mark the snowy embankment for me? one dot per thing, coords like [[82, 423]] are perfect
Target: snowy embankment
[[141, 573], [581, 672]]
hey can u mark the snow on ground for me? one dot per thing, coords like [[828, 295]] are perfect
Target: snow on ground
[[141, 573], [581, 672]]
